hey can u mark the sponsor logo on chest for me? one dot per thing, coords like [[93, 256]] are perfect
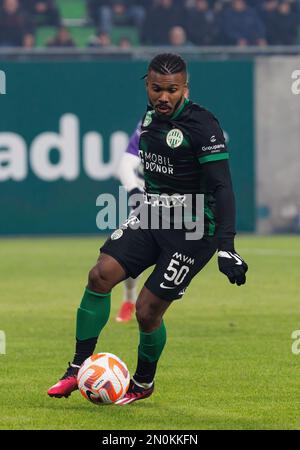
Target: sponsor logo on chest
[[156, 163]]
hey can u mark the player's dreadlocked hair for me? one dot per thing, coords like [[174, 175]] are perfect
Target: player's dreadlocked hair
[[167, 64]]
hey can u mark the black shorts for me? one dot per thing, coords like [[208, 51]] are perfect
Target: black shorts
[[176, 259]]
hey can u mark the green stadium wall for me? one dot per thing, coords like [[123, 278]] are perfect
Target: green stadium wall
[[89, 109]]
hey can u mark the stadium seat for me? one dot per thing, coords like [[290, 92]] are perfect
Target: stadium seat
[[72, 9], [43, 34], [80, 35]]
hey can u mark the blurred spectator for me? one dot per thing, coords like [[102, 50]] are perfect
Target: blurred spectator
[[241, 25], [43, 12], [109, 13], [177, 37], [295, 5], [287, 24], [62, 38], [269, 15], [200, 24], [93, 8], [219, 5], [159, 20], [101, 39], [16, 29]]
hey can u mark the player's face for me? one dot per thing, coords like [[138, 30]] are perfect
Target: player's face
[[166, 92]]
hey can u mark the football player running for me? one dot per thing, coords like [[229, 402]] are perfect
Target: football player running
[[184, 154]]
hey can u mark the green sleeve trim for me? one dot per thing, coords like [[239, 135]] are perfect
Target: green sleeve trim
[[217, 157]]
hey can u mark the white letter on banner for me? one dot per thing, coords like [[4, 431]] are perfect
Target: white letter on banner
[[13, 157], [93, 163], [67, 144]]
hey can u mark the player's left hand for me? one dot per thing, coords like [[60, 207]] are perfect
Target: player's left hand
[[233, 266]]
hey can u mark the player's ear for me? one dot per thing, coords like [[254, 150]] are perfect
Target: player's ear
[[186, 91]]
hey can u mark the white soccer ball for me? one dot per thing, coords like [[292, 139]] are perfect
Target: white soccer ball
[[103, 378]]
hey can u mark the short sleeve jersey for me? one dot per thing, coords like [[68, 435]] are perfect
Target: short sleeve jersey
[[174, 149]]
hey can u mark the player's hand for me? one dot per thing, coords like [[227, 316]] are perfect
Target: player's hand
[[233, 266]]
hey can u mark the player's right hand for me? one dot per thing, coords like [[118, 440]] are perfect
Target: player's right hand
[[233, 266]]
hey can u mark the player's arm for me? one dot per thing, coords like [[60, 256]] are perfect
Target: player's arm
[[213, 155], [126, 173], [218, 180], [129, 163]]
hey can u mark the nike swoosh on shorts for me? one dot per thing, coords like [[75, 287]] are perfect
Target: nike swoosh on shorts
[[166, 287]]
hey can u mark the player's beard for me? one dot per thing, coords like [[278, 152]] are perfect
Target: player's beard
[[178, 104]]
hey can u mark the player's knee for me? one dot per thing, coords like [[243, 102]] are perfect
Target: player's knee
[[98, 281]]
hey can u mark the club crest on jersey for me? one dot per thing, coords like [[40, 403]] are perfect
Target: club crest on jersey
[[174, 138], [148, 119]]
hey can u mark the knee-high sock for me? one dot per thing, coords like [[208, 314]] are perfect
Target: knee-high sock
[[92, 316], [149, 351]]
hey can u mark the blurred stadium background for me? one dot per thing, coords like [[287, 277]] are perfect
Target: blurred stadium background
[[74, 95]]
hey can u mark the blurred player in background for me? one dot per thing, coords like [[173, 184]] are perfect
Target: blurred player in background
[[130, 173]]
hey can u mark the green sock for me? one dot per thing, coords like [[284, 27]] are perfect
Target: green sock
[[152, 344], [149, 351], [92, 314]]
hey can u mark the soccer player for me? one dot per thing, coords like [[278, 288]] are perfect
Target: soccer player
[[184, 154], [131, 176]]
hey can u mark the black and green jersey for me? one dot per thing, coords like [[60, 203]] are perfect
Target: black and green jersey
[[175, 149]]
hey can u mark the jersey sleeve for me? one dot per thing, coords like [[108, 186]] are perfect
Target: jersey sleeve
[[133, 144], [208, 138], [130, 162]]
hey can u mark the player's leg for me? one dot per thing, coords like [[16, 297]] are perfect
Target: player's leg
[[127, 252], [94, 309], [173, 272], [149, 313], [128, 304], [92, 316]]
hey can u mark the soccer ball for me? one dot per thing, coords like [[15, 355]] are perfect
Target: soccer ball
[[103, 378]]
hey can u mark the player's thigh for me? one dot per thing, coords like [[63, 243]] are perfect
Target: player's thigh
[[134, 249], [177, 266]]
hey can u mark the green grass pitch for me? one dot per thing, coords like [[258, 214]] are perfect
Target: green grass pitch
[[228, 363]]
